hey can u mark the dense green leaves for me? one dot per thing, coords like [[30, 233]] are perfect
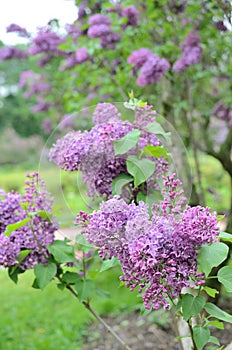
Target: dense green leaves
[[212, 255], [140, 169]]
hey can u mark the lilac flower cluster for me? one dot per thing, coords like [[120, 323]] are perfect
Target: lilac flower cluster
[[152, 68], [132, 15], [35, 83], [100, 28], [191, 52], [34, 235], [16, 28], [8, 53], [223, 112], [79, 56], [46, 41], [92, 152], [158, 252]]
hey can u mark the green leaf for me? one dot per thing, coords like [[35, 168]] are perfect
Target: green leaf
[[225, 277], [212, 255], [44, 274], [84, 289], [82, 243], [155, 151], [62, 252], [217, 324], [192, 306], [213, 340], [210, 291], [71, 277], [108, 264], [12, 227], [42, 213], [156, 128], [23, 254], [140, 169], [127, 142], [201, 336], [119, 182], [13, 272], [216, 312], [225, 236]]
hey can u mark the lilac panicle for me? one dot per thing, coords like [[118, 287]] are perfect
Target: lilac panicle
[[99, 19], [158, 251], [34, 235], [191, 52], [92, 152], [152, 68]]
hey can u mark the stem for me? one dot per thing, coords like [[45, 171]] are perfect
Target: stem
[[98, 317], [109, 329], [191, 332]]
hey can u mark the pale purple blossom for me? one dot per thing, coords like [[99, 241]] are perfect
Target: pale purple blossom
[[98, 30], [99, 19], [157, 251], [132, 14], [223, 112], [46, 41], [152, 70], [8, 53], [139, 57], [191, 52], [34, 235], [18, 29]]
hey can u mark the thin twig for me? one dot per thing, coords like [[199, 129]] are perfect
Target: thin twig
[[98, 317]]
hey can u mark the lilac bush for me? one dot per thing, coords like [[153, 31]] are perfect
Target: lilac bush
[[32, 209]]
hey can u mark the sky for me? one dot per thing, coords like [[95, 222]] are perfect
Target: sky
[[31, 14]]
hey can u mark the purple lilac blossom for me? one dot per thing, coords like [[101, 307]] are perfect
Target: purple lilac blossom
[[47, 125], [98, 30], [79, 56], [46, 41], [132, 14], [152, 70], [16, 28], [99, 19], [42, 105], [8, 53], [191, 52], [73, 31], [220, 26], [139, 57], [34, 235], [223, 112], [158, 252], [92, 152]]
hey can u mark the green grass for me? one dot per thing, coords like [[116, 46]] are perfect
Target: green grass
[[52, 319]]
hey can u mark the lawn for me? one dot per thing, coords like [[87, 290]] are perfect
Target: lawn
[[51, 319]]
